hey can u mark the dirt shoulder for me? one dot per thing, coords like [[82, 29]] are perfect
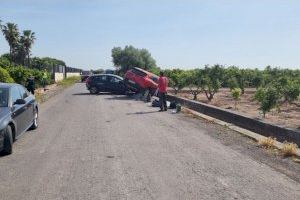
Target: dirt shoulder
[[288, 116], [43, 95]]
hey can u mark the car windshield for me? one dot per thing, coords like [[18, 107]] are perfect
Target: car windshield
[[3, 97]]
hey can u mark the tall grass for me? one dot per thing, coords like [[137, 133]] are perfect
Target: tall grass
[[289, 149], [267, 143], [68, 81]]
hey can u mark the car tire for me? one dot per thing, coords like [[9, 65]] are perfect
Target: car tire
[[8, 141], [35, 122], [94, 90]]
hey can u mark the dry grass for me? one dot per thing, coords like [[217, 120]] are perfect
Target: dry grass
[[69, 81], [267, 143], [289, 149]]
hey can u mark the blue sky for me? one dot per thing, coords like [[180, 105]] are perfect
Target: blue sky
[[178, 33]]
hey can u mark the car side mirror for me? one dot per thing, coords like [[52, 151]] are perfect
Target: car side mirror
[[20, 102]]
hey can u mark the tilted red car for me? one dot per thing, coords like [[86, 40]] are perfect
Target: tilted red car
[[138, 80]]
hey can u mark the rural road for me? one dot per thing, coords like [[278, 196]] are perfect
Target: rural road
[[112, 147]]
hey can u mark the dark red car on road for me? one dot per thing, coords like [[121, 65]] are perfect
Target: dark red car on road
[[138, 80]]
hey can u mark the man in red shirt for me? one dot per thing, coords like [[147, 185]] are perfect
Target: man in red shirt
[[162, 89]]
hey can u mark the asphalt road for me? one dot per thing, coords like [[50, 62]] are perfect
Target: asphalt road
[[111, 147]]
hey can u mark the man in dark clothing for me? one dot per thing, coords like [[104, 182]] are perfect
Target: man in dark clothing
[[162, 89], [31, 85]]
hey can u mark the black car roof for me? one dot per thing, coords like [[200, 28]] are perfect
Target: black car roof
[[108, 75]]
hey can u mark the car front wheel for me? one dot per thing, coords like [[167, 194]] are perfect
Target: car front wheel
[[35, 120], [94, 90], [8, 141]]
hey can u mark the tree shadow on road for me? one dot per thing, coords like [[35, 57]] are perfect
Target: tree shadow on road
[[87, 93], [79, 94], [119, 98]]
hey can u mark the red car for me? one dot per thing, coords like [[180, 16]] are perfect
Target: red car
[[138, 80]]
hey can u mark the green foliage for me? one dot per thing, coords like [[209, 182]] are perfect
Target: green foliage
[[25, 44], [212, 80], [259, 94], [46, 63], [268, 98], [4, 76], [11, 33], [291, 91], [233, 83], [195, 81], [256, 79], [4, 62], [155, 70], [21, 74], [129, 57], [236, 94], [19, 45], [177, 79]]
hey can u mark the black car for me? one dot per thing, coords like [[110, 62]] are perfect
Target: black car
[[106, 83], [85, 75], [18, 113]]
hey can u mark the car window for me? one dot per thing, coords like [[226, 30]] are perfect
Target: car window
[[15, 94], [155, 79], [3, 97], [138, 72], [23, 92], [100, 78], [114, 80]]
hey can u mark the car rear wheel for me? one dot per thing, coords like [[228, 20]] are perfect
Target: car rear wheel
[[8, 141], [94, 90], [35, 123]]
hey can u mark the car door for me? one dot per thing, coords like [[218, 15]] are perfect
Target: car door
[[18, 111], [29, 105], [102, 83], [115, 84]]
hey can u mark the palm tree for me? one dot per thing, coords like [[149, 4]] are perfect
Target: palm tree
[[11, 34], [27, 40]]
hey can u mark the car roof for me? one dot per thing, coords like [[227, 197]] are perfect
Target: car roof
[[7, 85], [108, 75], [146, 72]]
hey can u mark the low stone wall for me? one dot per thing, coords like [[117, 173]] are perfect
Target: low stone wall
[[71, 74], [58, 76], [266, 129]]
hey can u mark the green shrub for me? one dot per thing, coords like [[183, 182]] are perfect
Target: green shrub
[[4, 62], [236, 94], [233, 83], [20, 74], [5, 77], [291, 91], [268, 98]]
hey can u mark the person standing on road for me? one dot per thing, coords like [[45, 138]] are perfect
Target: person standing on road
[[31, 85], [162, 89], [44, 79]]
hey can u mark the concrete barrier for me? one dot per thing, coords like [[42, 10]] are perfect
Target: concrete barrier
[[264, 128], [72, 74], [58, 76]]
